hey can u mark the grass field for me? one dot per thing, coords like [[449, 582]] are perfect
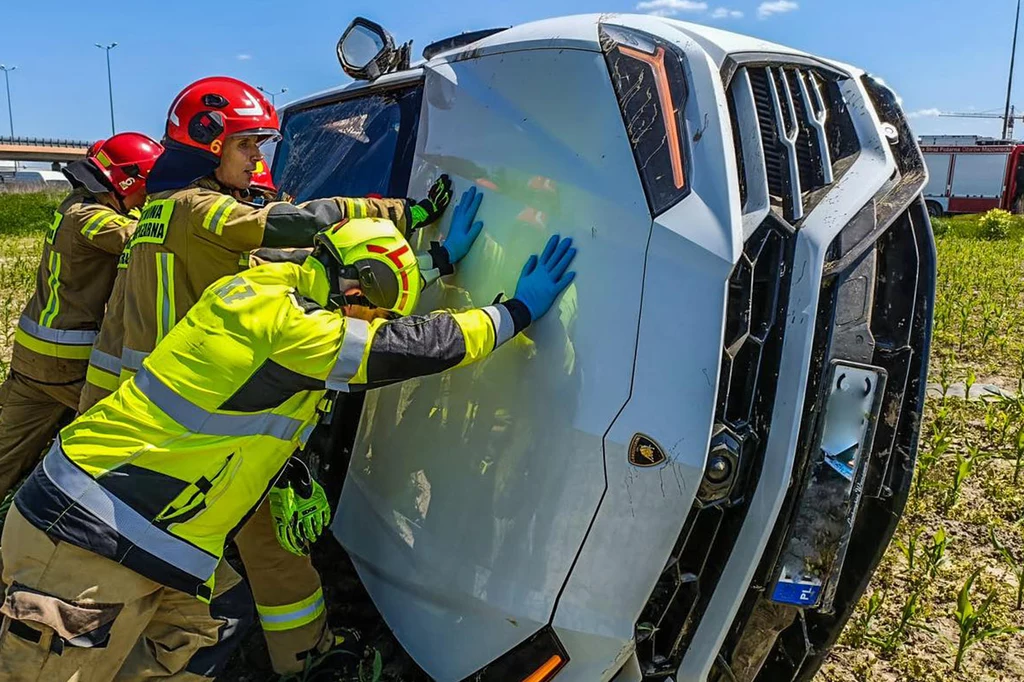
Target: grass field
[[946, 601], [23, 217], [950, 585]]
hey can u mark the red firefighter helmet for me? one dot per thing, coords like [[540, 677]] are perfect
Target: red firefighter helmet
[[95, 147], [213, 109], [120, 164], [261, 179]]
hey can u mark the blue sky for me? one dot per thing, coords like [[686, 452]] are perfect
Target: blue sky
[[940, 55]]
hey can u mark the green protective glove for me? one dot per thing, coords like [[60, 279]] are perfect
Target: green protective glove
[[282, 508], [299, 508], [430, 209]]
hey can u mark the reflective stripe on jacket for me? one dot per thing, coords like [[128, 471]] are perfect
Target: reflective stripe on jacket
[[191, 237], [59, 323], [161, 474]]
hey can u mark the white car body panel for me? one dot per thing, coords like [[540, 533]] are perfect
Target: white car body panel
[[486, 504], [492, 577]]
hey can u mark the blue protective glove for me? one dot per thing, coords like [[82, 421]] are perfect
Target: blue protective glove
[[542, 279], [463, 231]]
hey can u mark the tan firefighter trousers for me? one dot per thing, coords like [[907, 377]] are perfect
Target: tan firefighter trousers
[[289, 597], [73, 616], [31, 414]]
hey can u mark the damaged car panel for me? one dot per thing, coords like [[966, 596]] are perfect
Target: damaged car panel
[[620, 493]]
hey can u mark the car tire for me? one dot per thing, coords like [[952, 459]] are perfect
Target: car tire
[[934, 209]]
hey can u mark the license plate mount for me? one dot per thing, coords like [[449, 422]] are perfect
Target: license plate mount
[[814, 552]]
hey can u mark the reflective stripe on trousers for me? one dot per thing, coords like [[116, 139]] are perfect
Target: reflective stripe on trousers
[[199, 420], [116, 514], [98, 377], [291, 616], [132, 359], [105, 361]]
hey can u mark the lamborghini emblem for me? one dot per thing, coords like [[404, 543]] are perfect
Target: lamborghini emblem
[[644, 452]]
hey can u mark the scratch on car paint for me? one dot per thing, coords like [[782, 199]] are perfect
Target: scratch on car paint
[[697, 136], [629, 494], [803, 272], [704, 371]]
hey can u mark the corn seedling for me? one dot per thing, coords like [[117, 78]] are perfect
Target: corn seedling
[[964, 466], [969, 383], [861, 629], [1019, 454], [910, 617], [1005, 419], [991, 417], [909, 550], [938, 444], [974, 623], [1015, 565], [935, 552], [945, 382]]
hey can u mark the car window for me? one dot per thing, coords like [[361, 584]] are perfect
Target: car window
[[354, 147]]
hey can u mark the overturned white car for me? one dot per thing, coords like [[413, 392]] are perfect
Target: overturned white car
[[689, 471]]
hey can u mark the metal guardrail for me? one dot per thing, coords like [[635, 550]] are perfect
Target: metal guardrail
[[44, 142]]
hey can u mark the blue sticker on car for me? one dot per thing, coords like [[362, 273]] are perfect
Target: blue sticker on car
[[798, 594]]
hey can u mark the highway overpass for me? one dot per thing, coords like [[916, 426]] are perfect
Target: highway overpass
[[39, 149]]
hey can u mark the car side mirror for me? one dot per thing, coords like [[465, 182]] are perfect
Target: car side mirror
[[366, 51]]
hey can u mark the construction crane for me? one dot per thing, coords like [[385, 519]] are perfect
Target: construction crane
[[1007, 119]]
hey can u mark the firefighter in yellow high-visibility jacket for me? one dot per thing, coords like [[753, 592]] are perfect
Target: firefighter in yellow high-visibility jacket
[[60, 321], [195, 230], [120, 532]]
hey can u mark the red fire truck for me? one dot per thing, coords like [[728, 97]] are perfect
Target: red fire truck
[[970, 174]]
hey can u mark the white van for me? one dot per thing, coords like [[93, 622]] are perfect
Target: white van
[[25, 179]]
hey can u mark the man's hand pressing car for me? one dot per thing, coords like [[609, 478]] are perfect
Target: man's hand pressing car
[[463, 230], [430, 209], [544, 278]]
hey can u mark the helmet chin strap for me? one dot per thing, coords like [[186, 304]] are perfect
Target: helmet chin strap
[[342, 280]]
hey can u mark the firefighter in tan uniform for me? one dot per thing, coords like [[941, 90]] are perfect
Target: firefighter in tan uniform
[[120, 533], [59, 324], [103, 376], [195, 230]]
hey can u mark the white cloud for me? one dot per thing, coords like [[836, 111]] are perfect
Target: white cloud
[[243, 57], [925, 113], [725, 13], [767, 9], [668, 8]]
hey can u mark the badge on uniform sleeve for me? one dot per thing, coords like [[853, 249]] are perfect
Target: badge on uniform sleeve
[[644, 452]]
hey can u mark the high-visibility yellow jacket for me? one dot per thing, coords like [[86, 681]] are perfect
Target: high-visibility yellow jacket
[[191, 237], [160, 475], [59, 323]]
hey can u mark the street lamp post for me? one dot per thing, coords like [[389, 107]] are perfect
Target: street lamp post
[[7, 79], [110, 87], [273, 95]]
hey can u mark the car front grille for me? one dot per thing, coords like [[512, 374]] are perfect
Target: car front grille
[[875, 307], [752, 347], [807, 135]]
